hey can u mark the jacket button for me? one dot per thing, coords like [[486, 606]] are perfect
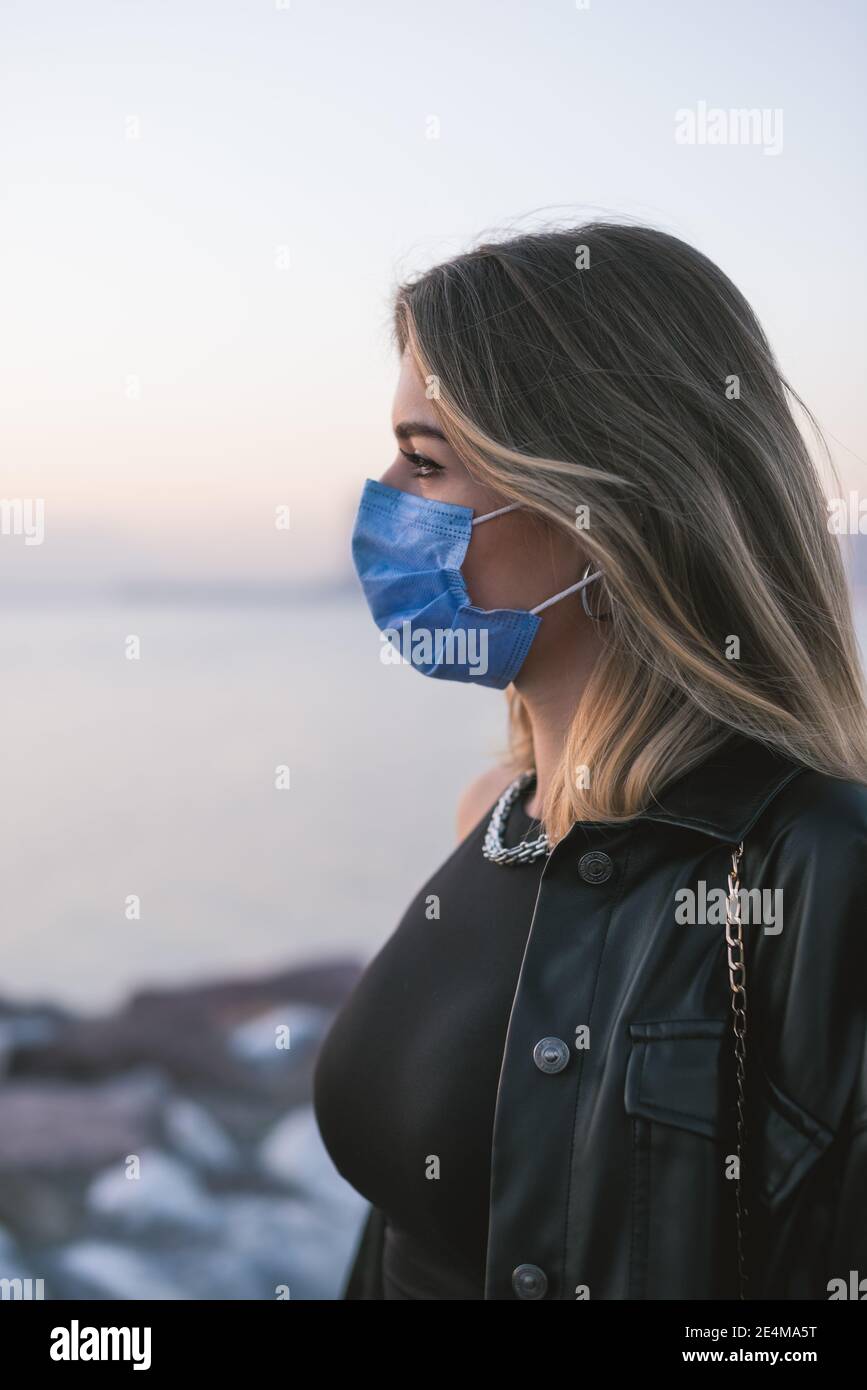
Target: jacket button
[[550, 1054], [595, 867], [529, 1281]]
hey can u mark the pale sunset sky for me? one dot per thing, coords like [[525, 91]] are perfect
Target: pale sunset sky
[[207, 203]]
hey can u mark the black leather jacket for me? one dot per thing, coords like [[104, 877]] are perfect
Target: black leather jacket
[[611, 1162]]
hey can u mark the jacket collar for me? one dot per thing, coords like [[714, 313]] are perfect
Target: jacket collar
[[724, 795]]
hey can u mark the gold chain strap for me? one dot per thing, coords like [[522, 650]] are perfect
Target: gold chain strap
[[738, 979]]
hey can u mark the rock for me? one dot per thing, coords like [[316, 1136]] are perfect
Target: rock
[[184, 1032], [196, 1135], [215, 1273], [14, 1268], [22, 1029], [293, 1154], [288, 1243], [53, 1126], [166, 1199], [228, 1002], [189, 1050], [42, 1208], [303, 1025], [236, 1194], [99, 1269]]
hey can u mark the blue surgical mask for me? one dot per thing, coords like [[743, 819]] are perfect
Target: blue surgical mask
[[408, 551]]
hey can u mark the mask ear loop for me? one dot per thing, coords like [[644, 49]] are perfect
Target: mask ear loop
[[596, 617], [512, 507], [573, 588]]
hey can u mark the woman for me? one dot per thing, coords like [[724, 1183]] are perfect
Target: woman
[[589, 1063]]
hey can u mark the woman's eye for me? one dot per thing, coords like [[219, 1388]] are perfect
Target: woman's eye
[[422, 467]]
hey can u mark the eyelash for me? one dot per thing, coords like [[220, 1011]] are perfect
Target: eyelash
[[422, 463]]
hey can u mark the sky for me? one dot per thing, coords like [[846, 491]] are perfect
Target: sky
[[206, 205]]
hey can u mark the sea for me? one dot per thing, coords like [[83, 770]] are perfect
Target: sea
[[193, 790]]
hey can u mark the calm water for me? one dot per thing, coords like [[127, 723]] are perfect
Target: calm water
[[156, 777]]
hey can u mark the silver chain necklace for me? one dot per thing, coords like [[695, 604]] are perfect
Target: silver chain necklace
[[493, 847]]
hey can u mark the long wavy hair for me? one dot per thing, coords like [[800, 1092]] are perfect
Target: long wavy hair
[[614, 367]]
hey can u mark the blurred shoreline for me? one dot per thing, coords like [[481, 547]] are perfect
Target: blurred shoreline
[[218, 592]]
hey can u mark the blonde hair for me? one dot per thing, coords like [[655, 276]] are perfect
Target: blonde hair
[[640, 385]]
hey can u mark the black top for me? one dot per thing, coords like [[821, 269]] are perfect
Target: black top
[[405, 1082]]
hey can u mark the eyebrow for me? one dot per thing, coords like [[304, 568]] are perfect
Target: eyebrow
[[407, 428]]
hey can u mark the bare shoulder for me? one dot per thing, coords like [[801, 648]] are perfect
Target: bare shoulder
[[479, 797]]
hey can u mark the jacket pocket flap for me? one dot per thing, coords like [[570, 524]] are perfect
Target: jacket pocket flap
[[787, 1142], [673, 1074], [681, 1073]]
